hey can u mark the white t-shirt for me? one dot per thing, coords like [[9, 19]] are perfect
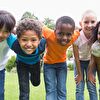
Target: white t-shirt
[[4, 49], [83, 47], [95, 49]]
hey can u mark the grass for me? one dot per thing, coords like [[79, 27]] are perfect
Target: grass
[[37, 93]]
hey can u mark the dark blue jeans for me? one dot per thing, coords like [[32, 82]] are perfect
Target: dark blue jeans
[[55, 81], [2, 81], [80, 87], [25, 73]]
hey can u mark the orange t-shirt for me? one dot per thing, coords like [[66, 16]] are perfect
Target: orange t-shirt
[[55, 53]]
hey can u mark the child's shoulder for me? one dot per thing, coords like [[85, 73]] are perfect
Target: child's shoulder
[[46, 32], [12, 37], [76, 33], [75, 36], [95, 49]]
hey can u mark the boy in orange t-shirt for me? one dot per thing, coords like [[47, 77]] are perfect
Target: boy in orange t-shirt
[[55, 68]]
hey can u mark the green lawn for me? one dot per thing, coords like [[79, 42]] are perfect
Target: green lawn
[[37, 93]]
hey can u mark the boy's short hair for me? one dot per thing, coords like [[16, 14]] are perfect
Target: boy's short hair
[[65, 20], [7, 21], [29, 24]]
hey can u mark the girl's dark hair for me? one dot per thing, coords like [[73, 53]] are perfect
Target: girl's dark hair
[[95, 33], [7, 21], [65, 20], [29, 24]]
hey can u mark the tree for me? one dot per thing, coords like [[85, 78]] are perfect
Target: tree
[[28, 15], [11, 63], [49, 23]]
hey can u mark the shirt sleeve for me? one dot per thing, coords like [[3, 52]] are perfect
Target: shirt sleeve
[[11, 39], [46, 32], [75, 37], [41, 46], [95, 49], [77, 41]]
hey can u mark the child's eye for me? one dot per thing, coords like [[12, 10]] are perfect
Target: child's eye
[[86, 22], [24, 39], [34, 39], [5, 32], [68, 34], [59, 33], [92, 22], [62, 34]]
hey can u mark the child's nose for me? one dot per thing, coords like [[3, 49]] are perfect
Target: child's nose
[[29, 43], [90, 24], [65, 37]]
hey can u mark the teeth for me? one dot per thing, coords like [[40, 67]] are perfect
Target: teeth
[[28, 49]]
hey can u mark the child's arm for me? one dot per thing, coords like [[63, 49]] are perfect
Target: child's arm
[[91, 68], [78, 78], [42, 45], [11, 39]]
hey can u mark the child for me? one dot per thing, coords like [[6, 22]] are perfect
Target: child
[[95, 57], [28, 54], [55, 68], [7, 23], [81, 50]]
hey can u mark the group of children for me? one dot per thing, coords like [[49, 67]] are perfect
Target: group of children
[[32, 39]]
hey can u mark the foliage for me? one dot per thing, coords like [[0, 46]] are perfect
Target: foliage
[[70, 66], [70, 58], [28, 15], [69, 54], [49, 23], [11, 63]]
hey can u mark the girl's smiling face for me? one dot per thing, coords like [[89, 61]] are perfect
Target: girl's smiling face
[[88, 23], [29, 41]]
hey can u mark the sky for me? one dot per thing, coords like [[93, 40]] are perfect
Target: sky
[[52, 9]]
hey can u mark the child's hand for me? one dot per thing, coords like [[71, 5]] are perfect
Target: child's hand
[[91, 78], [78, 78]]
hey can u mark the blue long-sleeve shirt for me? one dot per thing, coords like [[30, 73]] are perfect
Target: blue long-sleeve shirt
[[21, 55]]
